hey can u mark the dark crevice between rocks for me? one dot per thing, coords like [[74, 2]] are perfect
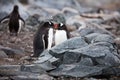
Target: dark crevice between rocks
[[86, 40], [79, 59]]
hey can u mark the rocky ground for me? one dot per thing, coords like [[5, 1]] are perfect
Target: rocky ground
[[94, 32]]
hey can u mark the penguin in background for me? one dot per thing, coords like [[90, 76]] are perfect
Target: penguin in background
[[61, 33], [15, 21], [43, 38]]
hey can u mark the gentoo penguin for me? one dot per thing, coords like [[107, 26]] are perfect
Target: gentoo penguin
[[14, 21], [43, 38], [61, 33]]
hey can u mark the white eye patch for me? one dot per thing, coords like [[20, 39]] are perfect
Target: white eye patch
[[61, 24], [49, 22]]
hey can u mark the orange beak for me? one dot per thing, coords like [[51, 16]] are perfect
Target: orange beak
[[56, 26]]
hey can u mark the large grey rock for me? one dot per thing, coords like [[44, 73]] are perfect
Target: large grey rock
[[33, 68], [12, 52], [92, 59], [103, 38], [90, 37], [101, 54], [88, 30], [97, 37], [45, 61], [47, 66], [70, 44], [75, 70]]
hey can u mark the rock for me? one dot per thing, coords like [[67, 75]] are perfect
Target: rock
[[68, 12], [117, 41], [3, 54], [75, 34], [10, 67], [32, 20], [45, 77], [72, 43], [26, 76], [4, 27], [112, 71], [89, 30], [103, 38], [33, 68], [46, 60], [24, 2], [89, 56], [70, 58], [86, 61], [101, 4], [3, 14], [4, 78], [12, 52], [97, 37], [55, 4], [32, 77], [90, 37], [76, 21], [6, 3], [24, 72], [101, 54], [71, 28], [59, 18], [47, 66], [77, 70]]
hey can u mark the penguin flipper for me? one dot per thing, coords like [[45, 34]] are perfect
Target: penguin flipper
[[22, 20], [5, 19]]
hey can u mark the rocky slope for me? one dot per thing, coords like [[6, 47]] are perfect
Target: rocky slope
[[91, 53]]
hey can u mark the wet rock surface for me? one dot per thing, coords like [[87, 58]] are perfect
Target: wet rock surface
[[92, 52], [99, 55]]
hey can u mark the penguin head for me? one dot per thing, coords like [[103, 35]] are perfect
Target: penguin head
[[15, 8], [48, 24], [60, 26]]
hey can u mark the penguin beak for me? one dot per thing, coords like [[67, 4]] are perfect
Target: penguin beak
[[56, 26]]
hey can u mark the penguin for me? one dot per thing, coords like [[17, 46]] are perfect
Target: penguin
[[61, 33], [43, 38], [15, 21]]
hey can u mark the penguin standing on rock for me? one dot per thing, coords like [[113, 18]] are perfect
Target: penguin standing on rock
[[43, 38], [48, 35], [15, 21], [61, 33]]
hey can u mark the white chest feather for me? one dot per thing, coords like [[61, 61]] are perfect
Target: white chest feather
[[20, 25], [60, 36], [50, 38]]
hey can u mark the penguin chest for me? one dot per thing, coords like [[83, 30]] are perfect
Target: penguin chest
[[60, 36]]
